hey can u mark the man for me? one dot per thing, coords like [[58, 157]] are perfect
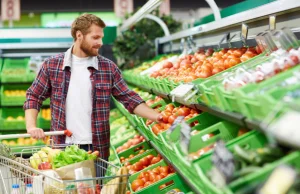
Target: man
[[79, 83]]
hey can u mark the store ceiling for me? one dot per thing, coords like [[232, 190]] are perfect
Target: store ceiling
[[107, 5]]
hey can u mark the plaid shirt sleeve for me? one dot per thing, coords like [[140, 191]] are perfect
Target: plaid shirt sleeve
[[40, 89], [123, 94]]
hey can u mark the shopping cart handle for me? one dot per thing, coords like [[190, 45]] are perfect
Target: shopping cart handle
[[51, 133]]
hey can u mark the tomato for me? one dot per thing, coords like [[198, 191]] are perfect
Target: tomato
[[166, 115], [158, 178], [150, 157], [234, 61], [167, 126], [155, 160], [217, 70], [167, 64], [183, 111], [171, 119], [136, 184], [156, 170], [145, 179], [164, 169], [144, 161], [169, 107], [164, 174], [194, 60], [152, 176], [137, 166], [156, 128], [246, 57], [238, 53]]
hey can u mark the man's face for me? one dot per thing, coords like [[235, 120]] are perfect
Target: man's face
[[92, 41]]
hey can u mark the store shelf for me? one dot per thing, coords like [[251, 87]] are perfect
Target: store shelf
[[178, 171], [229, 116]]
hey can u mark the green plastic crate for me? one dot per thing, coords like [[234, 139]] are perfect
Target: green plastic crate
[[255, 140], [143, 146], [15, 70], [247, 96], [204, 119], [12, 124], [210, 95], [222, 130], [154, 188], [140, 124], [13, 100], [273, 97]]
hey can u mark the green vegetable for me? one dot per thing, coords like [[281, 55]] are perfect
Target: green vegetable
[[71, 155]]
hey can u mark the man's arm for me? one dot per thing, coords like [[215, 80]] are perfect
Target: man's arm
[[145, 111], [31, 117], [131, 100], [35, 95]]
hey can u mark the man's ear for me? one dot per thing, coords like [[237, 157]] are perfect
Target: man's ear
[[79, 35]]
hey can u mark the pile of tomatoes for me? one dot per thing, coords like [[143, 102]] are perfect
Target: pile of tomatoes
[[204, 64], [156, 99], [170, 113], [123, 159], [130, 143], [143, 163], [151, 176]]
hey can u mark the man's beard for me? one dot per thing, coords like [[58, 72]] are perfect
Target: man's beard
[[89, 51]]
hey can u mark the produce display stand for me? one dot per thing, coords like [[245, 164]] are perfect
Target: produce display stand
[[209, 36]]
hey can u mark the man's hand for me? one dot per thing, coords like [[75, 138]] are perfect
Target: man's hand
[[36, 133], [159, 118]]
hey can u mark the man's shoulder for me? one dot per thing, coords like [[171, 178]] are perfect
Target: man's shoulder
[[57, 57], [55, 60]]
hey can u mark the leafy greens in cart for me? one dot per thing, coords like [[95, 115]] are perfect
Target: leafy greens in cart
[[71, 155]]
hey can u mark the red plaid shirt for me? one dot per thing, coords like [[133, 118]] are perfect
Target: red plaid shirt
[[53, 81]]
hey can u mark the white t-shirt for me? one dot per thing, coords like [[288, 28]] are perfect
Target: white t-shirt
[[79, 102]]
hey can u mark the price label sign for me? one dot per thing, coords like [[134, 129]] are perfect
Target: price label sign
[[176, 122], [272, 22], [244, 33], [185, 137], [184, 93], [286, 128], [223, 161]]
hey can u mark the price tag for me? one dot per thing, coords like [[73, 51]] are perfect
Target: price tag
[[185, 137], [223, 160], [183, 93], [176, 122], [272, 22], [244, 33], [286, 128]]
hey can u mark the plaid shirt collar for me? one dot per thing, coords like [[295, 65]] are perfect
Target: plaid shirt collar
[[68, 60]]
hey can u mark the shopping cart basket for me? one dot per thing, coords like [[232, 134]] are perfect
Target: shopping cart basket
[[112, 180]]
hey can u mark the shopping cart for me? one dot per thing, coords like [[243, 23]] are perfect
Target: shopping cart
[[12, 171]]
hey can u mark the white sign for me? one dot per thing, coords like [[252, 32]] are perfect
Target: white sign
[[164, 8], [10, 10], [121, 7]]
